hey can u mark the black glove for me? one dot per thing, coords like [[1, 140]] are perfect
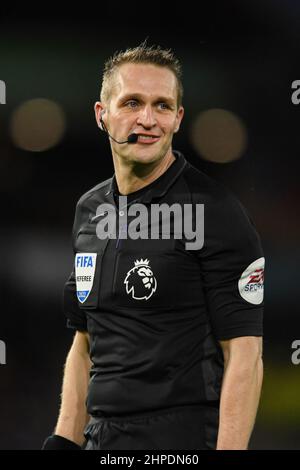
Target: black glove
[[56, 442]]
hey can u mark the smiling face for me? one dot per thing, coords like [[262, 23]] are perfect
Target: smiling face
[[143, 101]]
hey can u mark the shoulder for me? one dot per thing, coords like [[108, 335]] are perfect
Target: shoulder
[[221, 206], [206, 189], [98, 190], [88, 203]]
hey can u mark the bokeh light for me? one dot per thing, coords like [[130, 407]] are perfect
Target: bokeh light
[[218, 135], [37, 125]]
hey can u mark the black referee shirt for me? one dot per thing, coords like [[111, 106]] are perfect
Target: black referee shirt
[[155, 310]]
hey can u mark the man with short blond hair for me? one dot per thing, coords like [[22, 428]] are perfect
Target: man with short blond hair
[[167, 352]]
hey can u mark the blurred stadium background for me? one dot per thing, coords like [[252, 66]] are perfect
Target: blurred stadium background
[[239, 60]]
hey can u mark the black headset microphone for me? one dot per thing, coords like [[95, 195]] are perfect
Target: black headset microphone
[[131, 139]]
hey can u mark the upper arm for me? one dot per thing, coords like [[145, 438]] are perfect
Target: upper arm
[[76, 317], [232, 269]]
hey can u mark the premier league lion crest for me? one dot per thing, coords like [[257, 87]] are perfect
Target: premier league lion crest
[[140, 281]]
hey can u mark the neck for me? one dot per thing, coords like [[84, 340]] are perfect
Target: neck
[[134, 176]]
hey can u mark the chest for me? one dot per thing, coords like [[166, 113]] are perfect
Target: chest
[[142, 273]]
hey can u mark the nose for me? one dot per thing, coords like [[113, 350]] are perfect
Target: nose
[[146, 117]]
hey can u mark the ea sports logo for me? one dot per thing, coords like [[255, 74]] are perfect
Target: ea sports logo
[[140, 281], [251, 282]]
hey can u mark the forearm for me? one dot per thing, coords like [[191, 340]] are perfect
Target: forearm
[[73, 416], [239, 402]]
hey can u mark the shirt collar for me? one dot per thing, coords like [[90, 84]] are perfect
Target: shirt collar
[[164, 181]]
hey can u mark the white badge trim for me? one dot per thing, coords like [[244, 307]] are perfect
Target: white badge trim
[[140, 278], [85, 265], [251, 282]]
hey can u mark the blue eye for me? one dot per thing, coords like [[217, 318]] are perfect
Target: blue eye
[[131, 103], [163, 105]]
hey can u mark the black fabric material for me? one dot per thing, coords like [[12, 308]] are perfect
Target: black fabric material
[[162, 350], [55, 442], [136, 195], [182, 428]]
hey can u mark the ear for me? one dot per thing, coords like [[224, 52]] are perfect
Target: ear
[[99, 111], [179, 117], [101, 121]]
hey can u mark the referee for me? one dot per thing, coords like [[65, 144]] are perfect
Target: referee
[[167, 350]]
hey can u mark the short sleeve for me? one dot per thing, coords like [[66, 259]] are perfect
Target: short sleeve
[[232, 267], [76, 317]]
